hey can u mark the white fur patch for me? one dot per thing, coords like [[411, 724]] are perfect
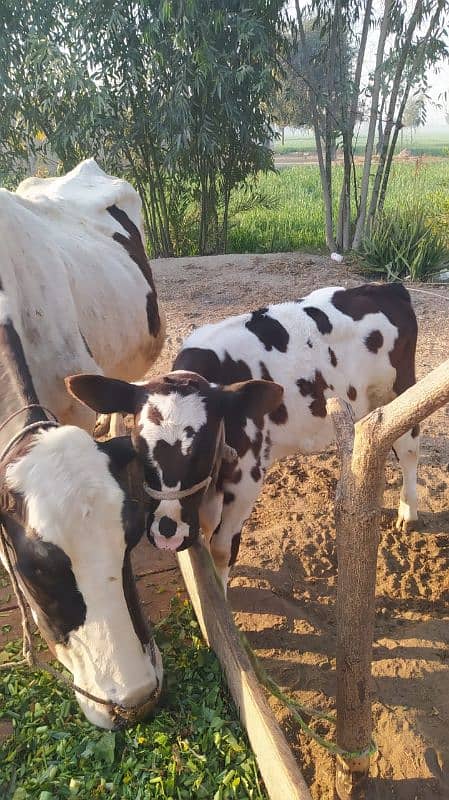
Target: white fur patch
[[177, 414], [67, 278]]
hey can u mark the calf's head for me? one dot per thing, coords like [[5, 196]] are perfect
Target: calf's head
[[69, 530], [179, 422]]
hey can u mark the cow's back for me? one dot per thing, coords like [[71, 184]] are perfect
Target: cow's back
[[357, 343], [78, 297]]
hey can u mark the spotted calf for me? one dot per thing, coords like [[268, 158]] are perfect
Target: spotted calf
[[358, 344]]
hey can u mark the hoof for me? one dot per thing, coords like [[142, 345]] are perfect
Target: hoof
[[407, 525]]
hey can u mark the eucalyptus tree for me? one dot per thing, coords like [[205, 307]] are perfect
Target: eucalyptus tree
[[408, 39], [173, 94]]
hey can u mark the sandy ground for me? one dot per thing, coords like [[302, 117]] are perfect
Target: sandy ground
[[283, 586]]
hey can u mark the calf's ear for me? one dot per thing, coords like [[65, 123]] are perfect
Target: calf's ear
[[105, 395], [252, 398]]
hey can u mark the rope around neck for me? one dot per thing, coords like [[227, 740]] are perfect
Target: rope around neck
[[44, 423], [223, 452]]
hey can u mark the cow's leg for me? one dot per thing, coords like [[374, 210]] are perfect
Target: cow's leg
[[407, 450], [224, 547], [225, 542]]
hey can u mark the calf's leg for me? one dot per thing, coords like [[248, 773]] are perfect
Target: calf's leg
[[407, 450]]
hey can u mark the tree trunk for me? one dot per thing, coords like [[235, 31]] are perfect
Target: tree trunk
[[327, 197], [374, 112], [404, 54], [417, 66], [283, 135], [363, 450]]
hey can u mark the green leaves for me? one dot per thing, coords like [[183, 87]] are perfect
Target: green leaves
[[168, 93], [194, 747], [402, 245]]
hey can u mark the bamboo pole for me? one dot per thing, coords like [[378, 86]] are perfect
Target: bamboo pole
[[363, 451], [279, 770]]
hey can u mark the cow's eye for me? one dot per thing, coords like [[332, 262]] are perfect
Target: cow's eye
[[189, 431]]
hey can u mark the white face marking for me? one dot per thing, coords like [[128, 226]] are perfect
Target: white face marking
[[177, 413], [74, 502]]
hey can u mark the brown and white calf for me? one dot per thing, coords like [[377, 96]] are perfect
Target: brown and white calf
[[72, 265], [354, 343]]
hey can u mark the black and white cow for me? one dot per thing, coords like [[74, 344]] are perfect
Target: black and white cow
[[72, 264], [354, 343]]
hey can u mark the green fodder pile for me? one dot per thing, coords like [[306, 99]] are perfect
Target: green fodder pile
[[194, 747]]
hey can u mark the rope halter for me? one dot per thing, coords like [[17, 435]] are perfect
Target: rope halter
[[223, 452]]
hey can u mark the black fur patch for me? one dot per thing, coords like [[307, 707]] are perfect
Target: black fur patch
[[47, 574], [321, 319], [235, 544], [268, 330], [333, 357], [134, 246], [85, 343], [315, 389], [374, 341]]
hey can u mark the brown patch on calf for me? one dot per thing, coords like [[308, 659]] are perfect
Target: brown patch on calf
[[134, 246], [374, 341], [280, 416], [352, 393], [392, 300], [154, 415], [333, 357], [320, 319], [315, 389]]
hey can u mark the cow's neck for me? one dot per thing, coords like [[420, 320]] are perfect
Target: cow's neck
[[17, 389]]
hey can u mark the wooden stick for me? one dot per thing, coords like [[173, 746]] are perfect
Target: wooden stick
[[282, 777], [363, 450]]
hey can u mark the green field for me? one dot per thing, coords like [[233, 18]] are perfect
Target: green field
[[420, 143], [292, 218]]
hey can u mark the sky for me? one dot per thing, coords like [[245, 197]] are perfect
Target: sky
[[438, 80]]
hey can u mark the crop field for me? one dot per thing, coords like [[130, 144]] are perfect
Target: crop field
[[420, 143], [193, 748], [288, 214]]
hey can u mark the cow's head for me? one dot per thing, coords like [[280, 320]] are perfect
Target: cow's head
[[69, 531], [179, 422]]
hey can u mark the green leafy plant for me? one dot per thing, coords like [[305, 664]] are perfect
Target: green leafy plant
[[194, 747], [404, 245]]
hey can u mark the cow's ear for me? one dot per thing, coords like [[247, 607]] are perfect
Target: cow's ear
[[253, 398], [106, 395]]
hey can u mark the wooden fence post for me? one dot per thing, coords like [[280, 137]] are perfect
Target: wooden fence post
[[363, 450]]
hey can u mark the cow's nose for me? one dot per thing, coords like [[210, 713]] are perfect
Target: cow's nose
[[167, 527]]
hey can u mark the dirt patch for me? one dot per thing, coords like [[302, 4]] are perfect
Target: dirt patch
[[283, 586]]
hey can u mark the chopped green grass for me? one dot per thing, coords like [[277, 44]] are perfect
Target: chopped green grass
[[193, 748]]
